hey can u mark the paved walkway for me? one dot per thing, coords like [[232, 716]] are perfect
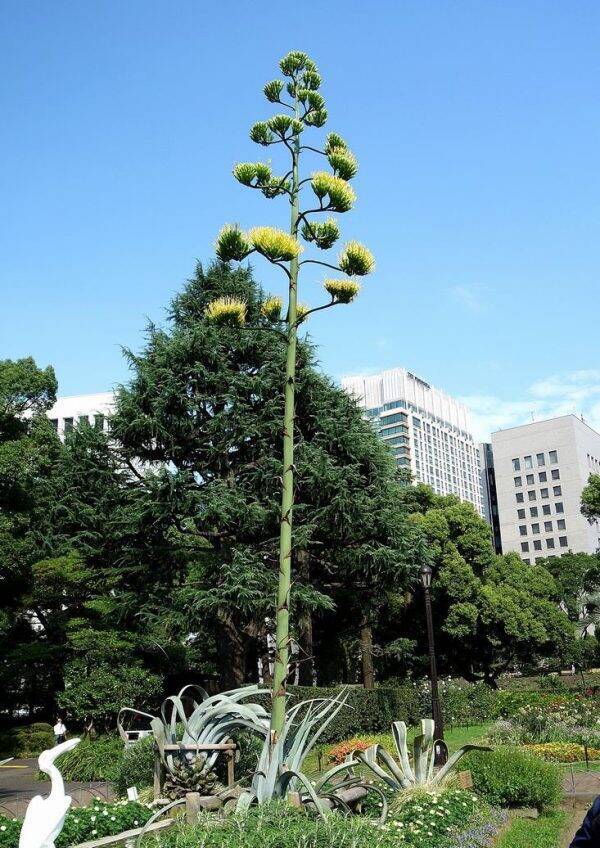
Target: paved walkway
[[19, 785]]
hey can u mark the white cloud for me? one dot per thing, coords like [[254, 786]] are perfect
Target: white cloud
[[576, 392]]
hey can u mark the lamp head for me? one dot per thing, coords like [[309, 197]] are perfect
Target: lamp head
[[426, 572]]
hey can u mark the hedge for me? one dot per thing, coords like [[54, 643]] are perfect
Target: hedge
[[26, 741]]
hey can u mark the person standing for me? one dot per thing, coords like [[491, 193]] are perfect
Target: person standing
[[60, 731]]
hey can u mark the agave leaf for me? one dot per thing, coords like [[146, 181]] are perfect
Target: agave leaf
[[288, 776], [443, 772], [369, 758], [245, 801], [121, 729], [340, 767], [422, 749], [400, 738]]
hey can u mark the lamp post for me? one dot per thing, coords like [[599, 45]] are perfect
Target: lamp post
[[440, 752]]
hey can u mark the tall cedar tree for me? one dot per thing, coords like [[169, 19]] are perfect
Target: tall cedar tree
[[200, 424]]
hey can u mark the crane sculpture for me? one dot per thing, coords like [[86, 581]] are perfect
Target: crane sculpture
[[44, 817]]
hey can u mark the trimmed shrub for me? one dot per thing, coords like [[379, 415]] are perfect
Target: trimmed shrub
[[27, 741], [93, 759], [513, 777], [367, 710]]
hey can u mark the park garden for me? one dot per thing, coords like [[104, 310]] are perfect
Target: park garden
[[241, 528]]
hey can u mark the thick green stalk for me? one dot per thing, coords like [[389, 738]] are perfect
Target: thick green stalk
[[282, 635]]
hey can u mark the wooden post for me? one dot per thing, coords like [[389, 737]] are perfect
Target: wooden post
[[230, 768], [159, 774]]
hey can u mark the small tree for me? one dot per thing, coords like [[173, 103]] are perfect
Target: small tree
[[306, 109]]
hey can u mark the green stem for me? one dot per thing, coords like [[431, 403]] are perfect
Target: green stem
[[282, 635]]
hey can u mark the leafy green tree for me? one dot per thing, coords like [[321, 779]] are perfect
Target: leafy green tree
[[492, 613], [333, 193], [590, 499]]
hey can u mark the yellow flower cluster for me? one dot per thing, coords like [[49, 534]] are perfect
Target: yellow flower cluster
[[356, 259], [271, 308], [276, 245], [563, 752], [344, 291], [340, 195], [226, 310]]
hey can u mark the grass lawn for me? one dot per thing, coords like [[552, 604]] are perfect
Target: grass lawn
[[455, 738], [545, 832]]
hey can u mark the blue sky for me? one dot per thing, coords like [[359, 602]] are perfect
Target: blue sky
[[477, 128]]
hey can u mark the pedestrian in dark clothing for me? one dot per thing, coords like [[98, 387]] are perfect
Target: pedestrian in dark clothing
[[588, 835]]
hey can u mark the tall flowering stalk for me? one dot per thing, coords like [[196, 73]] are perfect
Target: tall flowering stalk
[[331, 192]]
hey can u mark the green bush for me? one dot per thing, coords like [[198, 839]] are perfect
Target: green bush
[[93, 759], [27, 741], [367, 710], [512, 777], [136, 766]]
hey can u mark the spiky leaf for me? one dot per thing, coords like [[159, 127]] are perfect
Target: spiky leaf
[[356, 260], [344, 291], [232, 244]]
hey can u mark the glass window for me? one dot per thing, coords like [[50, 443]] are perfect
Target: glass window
[[553, 457], [527, 561], [550, 543], [540, 459], [520, 513], [518, 481], [516, 465], [83, 419], [528, 462], [519, 497], [533, 511], [557, 490], [68, 422], [530, 480], [99, 422], [562, 541], [535, 528], [537, 545], [558, 506], [543, 476], [524, 547], [54, 423], [544, 493], [548, 526], [546, 509], [531, 495], [523, 529], [555, 474], [561, 524]]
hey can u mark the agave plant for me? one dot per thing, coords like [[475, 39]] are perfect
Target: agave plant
[[279, 766], [212, 721], [398, 772]]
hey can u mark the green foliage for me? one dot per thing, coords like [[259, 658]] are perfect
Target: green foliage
[[136, 767], [590, 498], [27, 741], [512, 777], [99, 690], [92, 759], [366, 711]]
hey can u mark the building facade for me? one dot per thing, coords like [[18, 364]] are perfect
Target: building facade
[[67, 412], [540, 471], [428, 431]]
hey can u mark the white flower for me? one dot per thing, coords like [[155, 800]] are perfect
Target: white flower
[[94, 832], [112, 818], [93, 818], [3, 827], [136, 822], [104, 812]]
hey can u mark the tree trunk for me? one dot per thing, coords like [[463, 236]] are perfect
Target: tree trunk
[[232, 655], [306, 662], [366, 650]]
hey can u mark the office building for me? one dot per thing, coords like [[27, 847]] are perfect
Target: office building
[[540, 471], [67, 412], [428, 431]]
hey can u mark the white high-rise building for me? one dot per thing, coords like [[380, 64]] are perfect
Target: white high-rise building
[[429, 431], [540, 471], [67, 412]]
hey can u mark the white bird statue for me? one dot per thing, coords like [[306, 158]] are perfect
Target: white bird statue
[[45, 816]]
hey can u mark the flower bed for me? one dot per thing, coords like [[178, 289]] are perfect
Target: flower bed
[[563, 752], [339, 752], [85, 823]]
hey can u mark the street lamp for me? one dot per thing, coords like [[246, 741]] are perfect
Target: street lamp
[[440, 751]]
